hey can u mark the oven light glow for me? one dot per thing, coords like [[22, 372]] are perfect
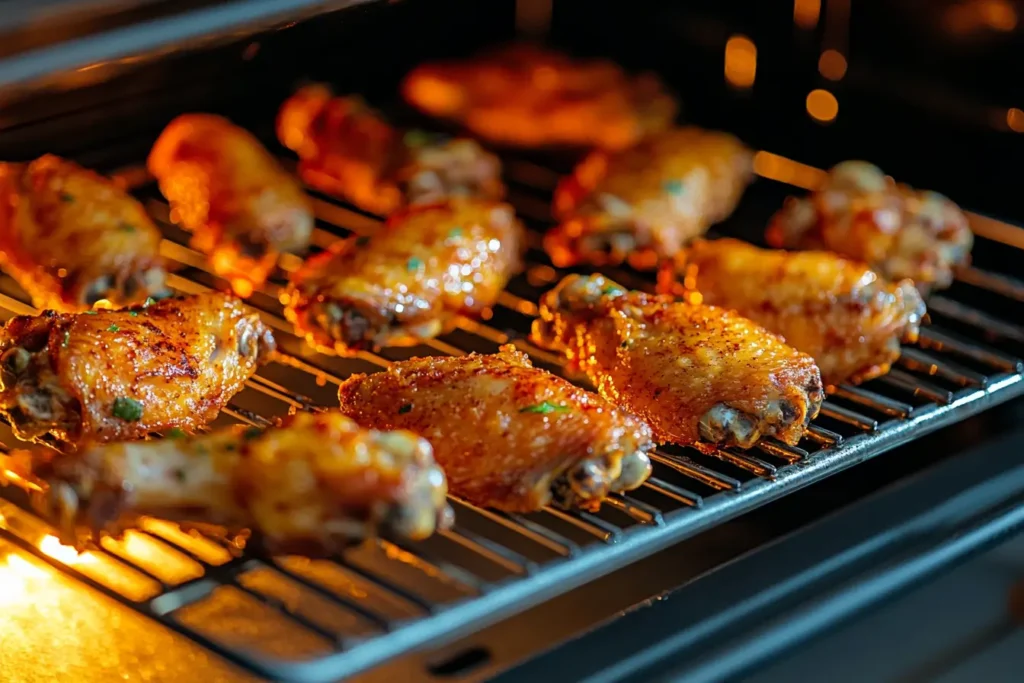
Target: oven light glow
[[806, 13], [740, 61], [1015, 119], [822, 105], [832, 65], [775, 167], [65, 554]]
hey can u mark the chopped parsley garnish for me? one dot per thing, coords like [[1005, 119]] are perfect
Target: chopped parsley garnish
[[113, 328], [362, 241], [673, 186], [176, 433], [67, 338], [414, 263], [128, 409], [148, 302], [421, 138], [405, 409], [251, 433], [125, 227], [134, 314], [611, 289], [179, 474], [67, 198], [230, 447], [455, 233], [544, 408], [91, 312]]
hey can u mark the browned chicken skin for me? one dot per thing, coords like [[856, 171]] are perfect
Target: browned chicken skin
[[71, 237], [240, 205], [312, 486], [897, 231], [838, 311], [346, 148], [508, 435], [698, 374], [117, 375], [527, 96], [410, 280], [645, 203]]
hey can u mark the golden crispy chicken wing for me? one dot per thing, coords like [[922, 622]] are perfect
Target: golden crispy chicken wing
[[410, 280], [838, 311], [71, 237], [698, 374], [643, 204], [112, 375], [898, 231], [240, 205], [508, 435], [527, 96], [346, 148], [312, 486]]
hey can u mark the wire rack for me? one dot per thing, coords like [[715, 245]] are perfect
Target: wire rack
[[297, 619]]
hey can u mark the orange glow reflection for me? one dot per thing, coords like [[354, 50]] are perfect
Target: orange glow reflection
[[783, 170], [971, 16], [740, 61], [1015, 119], [822, 105], [65, 554], [806, 13], [832, 65]]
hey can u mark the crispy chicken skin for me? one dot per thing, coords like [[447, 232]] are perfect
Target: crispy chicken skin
[[862, 214], [346, 148], [71, 237], [527, 96], [643, 204], [850, 320], [508, 435], [240, 205], [312, 486], [699, 375], [116, 375], [410, 280]]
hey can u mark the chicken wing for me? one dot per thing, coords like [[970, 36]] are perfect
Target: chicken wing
[[643, 204], [346, 148], [410, 280], [527, 96], [113, 375], [698, 374], [838, 311], [241, 207], [71, 237], [897, 231], [508, 435], [312, 486]]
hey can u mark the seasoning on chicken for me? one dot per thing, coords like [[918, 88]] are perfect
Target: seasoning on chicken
[[348, 149], [838, 311], [240, 205], [698, 374], [408, 282], [643, 204], [117, 375], [71, 237], [527, 96], [508, 435], [899, 232], [312, 486]]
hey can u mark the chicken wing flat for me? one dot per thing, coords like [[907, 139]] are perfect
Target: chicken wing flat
[[643, 204], [698, 374], [526, 96], [508, 435], [118, 375], [861, 213], [840, 312], [346, 148], [240, 205], [71, 237], [410, 280], [312, 486]]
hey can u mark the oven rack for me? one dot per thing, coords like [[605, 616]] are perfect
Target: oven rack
[[375, 602]]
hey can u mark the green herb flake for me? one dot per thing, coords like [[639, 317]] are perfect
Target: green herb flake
[[134, 314], [251, 433], [125, 227], [128, 409], [611, 289], [179, 474], [455, 233], [405, 409], [148, 302], [67, 198], [362, 241], [544, 408], [67, 338], [113, 328], [414, 263], [91, 312], [176, 433], [230, 447], [674, 187]]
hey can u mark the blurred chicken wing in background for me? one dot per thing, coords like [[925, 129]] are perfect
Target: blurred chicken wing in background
[[71, 237]]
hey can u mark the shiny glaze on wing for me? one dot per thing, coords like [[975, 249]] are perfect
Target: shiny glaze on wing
[[314, 485], [528, 96], [645, 203], [346, 148], [71, 237], [410, 280], [898, 231], [240, 205], [698, 374], [840, 312], [179, 360], [508, 435]]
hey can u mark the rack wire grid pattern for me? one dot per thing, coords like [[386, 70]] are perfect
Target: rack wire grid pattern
[[321, 620]]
